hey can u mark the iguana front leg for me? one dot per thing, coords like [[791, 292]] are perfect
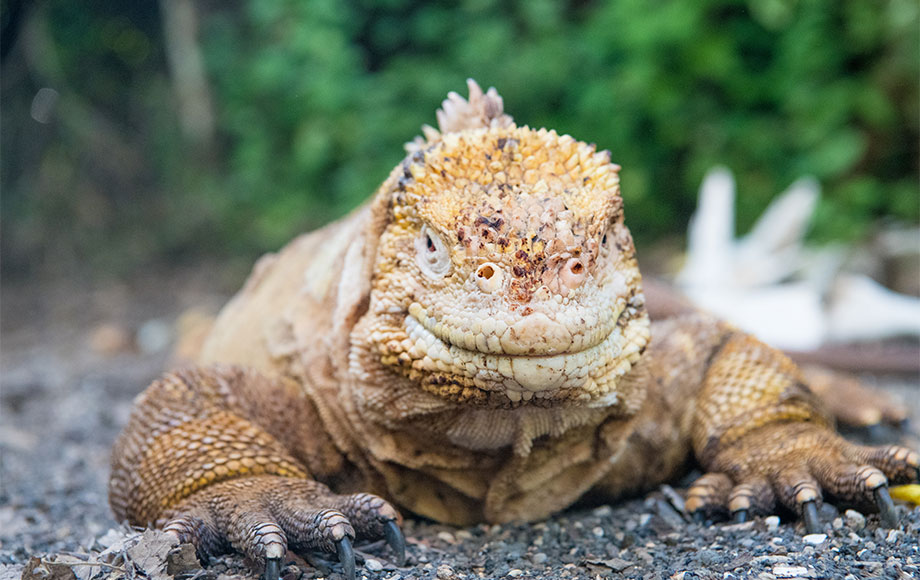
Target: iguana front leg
[[225, 458], [758, 431]]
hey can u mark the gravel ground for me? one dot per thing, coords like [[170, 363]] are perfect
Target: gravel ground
[[72, 362]]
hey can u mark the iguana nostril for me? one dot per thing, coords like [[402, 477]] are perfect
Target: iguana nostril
[[489, 277], [572, 274]]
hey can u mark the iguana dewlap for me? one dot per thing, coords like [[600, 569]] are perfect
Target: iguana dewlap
[[471, 345]]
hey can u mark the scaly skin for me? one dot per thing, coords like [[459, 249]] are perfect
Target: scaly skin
[[472, 345]]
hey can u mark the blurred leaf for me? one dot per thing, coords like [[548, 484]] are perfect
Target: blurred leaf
[[315, 99]]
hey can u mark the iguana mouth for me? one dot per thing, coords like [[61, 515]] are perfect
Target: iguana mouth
[[606, 352], [534, 334]]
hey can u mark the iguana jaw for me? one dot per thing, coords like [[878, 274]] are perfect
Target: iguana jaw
[[589, 374]]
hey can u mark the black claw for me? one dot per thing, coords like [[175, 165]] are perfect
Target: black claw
[[810, 515], [699, 517], [740, 516], [886, 507], [272, 569], [346, 557], [396, 541]]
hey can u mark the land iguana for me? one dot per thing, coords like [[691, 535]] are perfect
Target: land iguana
[[471, 345]]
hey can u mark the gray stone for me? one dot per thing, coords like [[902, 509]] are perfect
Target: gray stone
[[855, 520]]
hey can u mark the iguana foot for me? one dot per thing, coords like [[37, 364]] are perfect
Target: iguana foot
[[264, 516], [794, 464]]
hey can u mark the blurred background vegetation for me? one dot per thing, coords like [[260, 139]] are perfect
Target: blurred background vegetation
[[139, 133]]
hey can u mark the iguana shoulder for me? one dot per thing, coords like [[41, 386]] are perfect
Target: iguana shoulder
[[296, 303]]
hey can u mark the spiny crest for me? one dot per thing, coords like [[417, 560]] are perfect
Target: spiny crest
[[481, 110], [512, 168]]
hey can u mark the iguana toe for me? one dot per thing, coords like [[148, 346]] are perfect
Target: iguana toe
[[799, 491], [196, 526], [751, 497], [708, 496]]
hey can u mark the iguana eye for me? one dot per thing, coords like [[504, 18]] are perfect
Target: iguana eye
[[431, 253], [607, 241]]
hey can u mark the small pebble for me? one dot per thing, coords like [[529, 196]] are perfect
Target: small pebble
[[603, 511], [447, 537], [772, 523], [893, 536], [373, 565], [599, 532], [772, 559], [784, 571], [707, 557], [644, 519], [539, 558], [445, 572], [814, 539], [855, 520], [515, 573], [739, 527]]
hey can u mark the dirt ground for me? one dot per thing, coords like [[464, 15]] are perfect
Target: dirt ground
[[74, 355]]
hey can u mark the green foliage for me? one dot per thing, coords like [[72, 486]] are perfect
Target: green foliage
[[316, 98]]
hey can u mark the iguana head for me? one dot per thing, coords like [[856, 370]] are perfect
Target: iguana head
[[504, 275]]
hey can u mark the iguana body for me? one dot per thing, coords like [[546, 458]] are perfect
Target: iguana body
[[471, 345]]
